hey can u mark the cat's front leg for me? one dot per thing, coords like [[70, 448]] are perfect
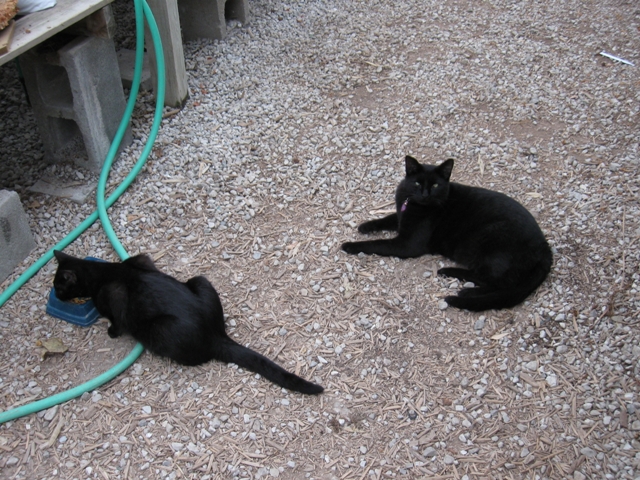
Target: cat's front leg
[[394, 247], [113, 331], [111, 303], [390, 223]]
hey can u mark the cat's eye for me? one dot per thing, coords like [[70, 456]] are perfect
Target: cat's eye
[[435, 185], [417, 184]]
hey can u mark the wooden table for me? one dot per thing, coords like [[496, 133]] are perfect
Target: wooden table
[[37, 27]]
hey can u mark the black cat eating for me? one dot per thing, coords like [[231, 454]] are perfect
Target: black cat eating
[[497, 241], [182, 321]]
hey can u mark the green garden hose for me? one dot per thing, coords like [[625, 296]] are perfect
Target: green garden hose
[[142, 12]]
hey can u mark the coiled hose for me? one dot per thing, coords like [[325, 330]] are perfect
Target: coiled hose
[[142, 13]]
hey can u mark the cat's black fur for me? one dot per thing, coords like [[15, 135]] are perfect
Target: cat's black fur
[[498, 241], [182, 321]]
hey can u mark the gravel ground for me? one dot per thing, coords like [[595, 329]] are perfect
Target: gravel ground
[[294, 133]]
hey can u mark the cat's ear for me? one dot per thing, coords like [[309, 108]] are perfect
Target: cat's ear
[[60, 256], [411, 166], [445, 168]]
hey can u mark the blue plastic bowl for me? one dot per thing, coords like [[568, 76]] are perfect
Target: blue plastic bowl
[[79, 311]]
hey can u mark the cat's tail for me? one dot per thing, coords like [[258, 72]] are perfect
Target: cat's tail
[[231, 352], [478, 299]]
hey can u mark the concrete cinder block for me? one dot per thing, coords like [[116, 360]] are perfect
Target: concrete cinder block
[[127, 64], [16, 240], [208, 18], [77, 99]]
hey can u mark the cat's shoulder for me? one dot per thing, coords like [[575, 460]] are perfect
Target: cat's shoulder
[[141, 262], [477, 193]]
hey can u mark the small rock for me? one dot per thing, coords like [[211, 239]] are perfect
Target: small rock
[[588, 452], [51, 413], [429, 452]]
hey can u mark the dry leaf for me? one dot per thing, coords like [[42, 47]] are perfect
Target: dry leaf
[[51, 346]]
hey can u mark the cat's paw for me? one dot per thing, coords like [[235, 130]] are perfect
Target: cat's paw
[[368, 227], [452, 300], [351, 248], [447, 272], [113, 332]]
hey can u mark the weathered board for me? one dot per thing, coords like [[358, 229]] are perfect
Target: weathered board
[[36, 27]]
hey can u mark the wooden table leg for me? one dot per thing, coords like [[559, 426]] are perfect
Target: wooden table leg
[[165, 13]]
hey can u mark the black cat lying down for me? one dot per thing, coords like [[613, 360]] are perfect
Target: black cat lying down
[[182, 321], [498, 241]]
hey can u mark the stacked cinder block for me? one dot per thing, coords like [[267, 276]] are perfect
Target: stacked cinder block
[[207, 18], [15, 236], [77, 98]]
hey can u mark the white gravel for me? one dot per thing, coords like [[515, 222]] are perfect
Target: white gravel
[[294, 133]]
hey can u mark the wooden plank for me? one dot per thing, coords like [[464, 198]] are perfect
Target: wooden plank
[[34, 28]]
